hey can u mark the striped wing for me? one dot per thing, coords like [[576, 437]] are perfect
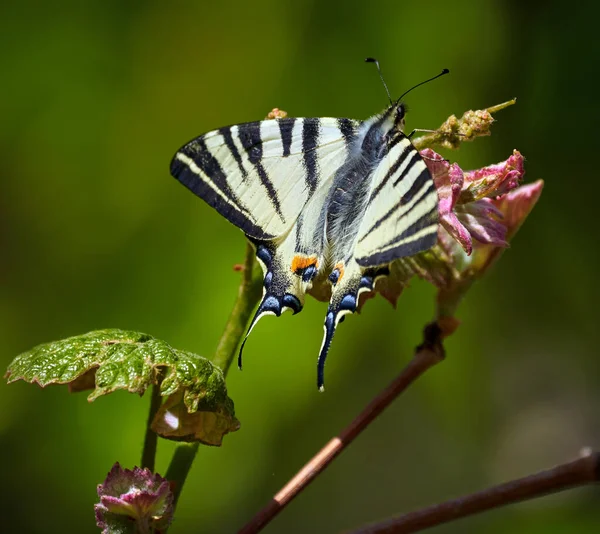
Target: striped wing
[[260, 175], [402, 217]]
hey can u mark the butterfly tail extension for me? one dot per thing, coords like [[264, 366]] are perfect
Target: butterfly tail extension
[[281, 290], [348, 284], [329, 330]]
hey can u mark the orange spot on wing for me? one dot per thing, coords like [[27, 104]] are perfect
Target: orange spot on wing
[[340, 267], [302, 262]]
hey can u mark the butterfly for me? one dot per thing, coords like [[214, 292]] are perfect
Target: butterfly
[[324, 201]]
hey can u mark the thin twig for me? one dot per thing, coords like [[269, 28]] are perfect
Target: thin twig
[[585, 470], [151, 437], [427, 355]]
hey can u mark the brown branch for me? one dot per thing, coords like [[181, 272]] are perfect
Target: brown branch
[[585, 470], [426, 355]]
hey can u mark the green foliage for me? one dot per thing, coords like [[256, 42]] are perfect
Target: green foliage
[[112, 359]]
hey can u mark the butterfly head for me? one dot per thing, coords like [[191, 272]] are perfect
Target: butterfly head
[[399, 110], [392, 119]]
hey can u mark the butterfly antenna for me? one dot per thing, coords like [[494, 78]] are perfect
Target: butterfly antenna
[[444, 71], [373, 60]]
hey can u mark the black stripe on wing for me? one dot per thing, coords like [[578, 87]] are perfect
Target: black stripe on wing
[[192, 166], [249, 136], [416, 186], [389, 252], [348, 129], [424, 221], [408, 149], [310, 140], [286, 127], [226, 133]]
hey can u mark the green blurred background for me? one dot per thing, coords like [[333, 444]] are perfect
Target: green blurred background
[[97, 96]]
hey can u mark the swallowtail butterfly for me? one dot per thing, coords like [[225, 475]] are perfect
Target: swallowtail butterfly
[[323, 200]]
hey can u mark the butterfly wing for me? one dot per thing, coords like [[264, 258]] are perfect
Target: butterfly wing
[[291, 263], [402, 216], [260, 175], [270, 179], [400, 219]]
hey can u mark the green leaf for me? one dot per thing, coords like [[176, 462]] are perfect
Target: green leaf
[[112, 359]]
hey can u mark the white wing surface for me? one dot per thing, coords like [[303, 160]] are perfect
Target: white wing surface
[[260, 175]]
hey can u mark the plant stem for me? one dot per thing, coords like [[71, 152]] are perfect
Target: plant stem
[[151, 437], [180, 465], [248, 296], [455, 131], [500, 107], [426, 355], [583, 471]]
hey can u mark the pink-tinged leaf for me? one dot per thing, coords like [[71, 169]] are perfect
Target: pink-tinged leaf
[[448, 184], [514, 208], [517, 205], [458, 231], [483, 221], [133, 501], [448, 180], [493, 180], [490, 222]]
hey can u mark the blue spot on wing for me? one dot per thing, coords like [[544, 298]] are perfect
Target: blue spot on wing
[[273, 301], [292, 302], [348, 303], [309, 273], [270, 304], [366, 281], [263, 254]]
